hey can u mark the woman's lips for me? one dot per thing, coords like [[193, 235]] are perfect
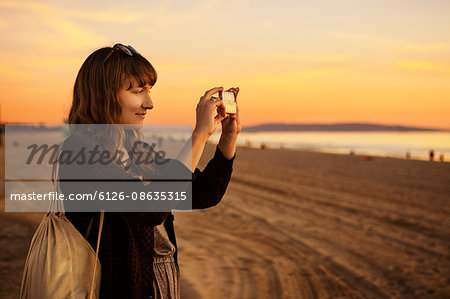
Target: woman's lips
[[141, 115]]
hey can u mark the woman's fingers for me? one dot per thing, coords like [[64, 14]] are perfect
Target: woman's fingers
[[221, 111], [234, 90], [209, 93], [218, 118], [220, 108], [217, 103], [237, 108]]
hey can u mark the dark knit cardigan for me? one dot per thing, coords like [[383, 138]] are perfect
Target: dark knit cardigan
[[126, 246]]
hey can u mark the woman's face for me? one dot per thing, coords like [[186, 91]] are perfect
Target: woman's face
[[135, 102]]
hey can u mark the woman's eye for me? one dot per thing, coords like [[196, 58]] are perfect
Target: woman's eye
[[139, 91]]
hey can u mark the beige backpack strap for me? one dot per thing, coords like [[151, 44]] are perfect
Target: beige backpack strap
[[102, 215]]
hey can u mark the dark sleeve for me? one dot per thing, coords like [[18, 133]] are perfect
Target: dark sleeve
[[209, 185]]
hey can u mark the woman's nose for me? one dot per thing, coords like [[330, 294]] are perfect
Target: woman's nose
[[148, 104]]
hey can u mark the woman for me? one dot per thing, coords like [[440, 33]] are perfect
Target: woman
[[138, 251]]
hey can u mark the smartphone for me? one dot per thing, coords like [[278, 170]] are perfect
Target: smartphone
[[229, 100]]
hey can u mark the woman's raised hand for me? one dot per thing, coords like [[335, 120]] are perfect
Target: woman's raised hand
[[209, 113]]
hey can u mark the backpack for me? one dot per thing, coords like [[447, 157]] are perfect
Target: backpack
[[60, 262]]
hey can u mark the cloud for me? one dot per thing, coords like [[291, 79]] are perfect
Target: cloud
[[395, 44], [422, 66], [290, 57], [42, 26], [180, 67], [111, 16]]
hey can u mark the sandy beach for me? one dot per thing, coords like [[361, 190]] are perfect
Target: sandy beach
[[296, 224]]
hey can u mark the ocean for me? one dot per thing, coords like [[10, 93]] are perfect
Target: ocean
[[416, 144], [385, 144]]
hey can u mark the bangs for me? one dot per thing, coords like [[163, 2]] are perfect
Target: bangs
[[139, 69]]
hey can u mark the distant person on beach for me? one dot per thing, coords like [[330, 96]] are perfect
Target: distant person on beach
[[138, 250], [431, 155]]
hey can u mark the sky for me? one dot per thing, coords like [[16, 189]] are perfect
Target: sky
[[320, 61]]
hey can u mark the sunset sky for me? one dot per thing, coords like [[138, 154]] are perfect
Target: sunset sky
[[297, 61]]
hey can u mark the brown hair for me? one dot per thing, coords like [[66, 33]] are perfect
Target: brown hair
[[95, 94], [96, 89]]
